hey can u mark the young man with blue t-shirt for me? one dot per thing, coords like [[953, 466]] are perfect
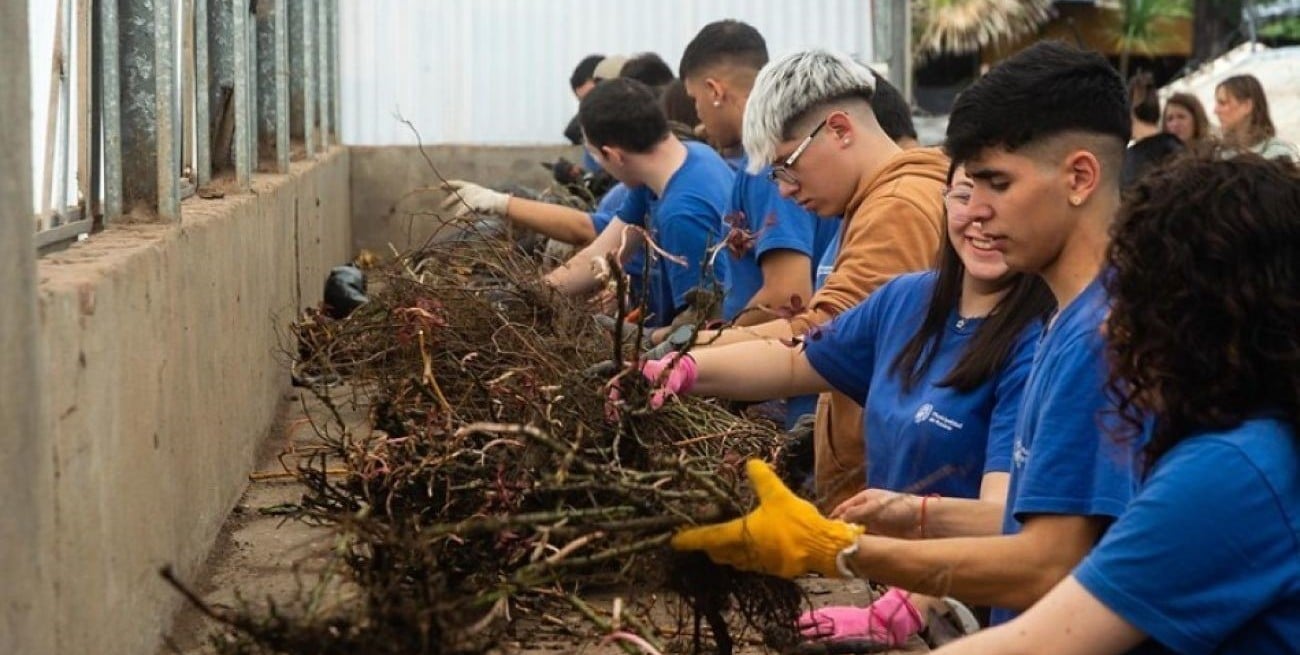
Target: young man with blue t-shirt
[[677, 194], [772, 243], [1042, 135]]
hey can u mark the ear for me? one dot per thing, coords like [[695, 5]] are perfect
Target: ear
[[1083, 175], [840, 125], [717, 90], [612, 155]]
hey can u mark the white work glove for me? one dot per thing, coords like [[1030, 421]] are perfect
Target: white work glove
[[469, 198]]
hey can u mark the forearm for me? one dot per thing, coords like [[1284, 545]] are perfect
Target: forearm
[[555, 221], [754, 370], [767, 299], [775, 330], [1003, 571], [959, 517], [576, 277]]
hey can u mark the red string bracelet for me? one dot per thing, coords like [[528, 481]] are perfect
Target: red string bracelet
[[920, 524]]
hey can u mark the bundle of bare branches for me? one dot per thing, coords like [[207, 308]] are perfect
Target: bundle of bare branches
[[498, 478]]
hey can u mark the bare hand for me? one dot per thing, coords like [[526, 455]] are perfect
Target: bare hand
[[882, 512]]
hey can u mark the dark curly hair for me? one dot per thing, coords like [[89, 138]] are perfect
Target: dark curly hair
[[1204, 280]]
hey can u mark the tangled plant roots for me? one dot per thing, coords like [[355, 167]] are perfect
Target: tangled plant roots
[[497, 481]]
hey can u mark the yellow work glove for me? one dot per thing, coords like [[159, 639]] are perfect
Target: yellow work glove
[[786, 536]]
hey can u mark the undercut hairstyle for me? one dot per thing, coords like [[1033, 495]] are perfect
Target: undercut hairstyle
[[1045, 90], [724, 42], [584, 71], [1029, 300], [622, 113], [649, 69], [1203, 281], [1143, 97], [891, 110], [789, 88]]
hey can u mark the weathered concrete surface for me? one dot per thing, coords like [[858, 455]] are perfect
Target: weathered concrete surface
[[395, 195], [162, 375], [26, 516]]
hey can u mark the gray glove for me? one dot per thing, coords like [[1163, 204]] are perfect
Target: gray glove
[[679, 338]]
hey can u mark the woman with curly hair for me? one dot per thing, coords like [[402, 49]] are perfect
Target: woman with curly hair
[[1242, 109], [1204, 345]]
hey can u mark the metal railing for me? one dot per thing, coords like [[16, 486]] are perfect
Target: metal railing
[[170, 97]]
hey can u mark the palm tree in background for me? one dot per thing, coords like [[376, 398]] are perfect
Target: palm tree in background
[[1142, 26], [965, 26]]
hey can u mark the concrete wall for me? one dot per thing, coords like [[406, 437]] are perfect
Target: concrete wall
[[163, 371], [26, 475], [395, 195]]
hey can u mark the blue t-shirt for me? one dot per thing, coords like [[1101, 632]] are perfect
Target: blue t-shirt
[[1207, 557], [684, 222], [1066, 458], [776, 223], [929, 439], [827, 262], [606, 209]]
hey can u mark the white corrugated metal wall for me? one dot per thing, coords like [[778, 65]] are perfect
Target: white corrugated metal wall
[[496, 71]]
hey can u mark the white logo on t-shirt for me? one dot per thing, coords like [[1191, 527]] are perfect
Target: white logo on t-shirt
[[927, 412]]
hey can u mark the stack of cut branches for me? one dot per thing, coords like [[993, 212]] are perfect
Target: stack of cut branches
[[498, 477]]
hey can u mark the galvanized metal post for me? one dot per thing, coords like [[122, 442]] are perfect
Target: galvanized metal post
[[309, 62], [281, 72], [243, 165], [892, 31], [27, 604], [168, 154], [111, 108], [269, 83], [150, 158], [322, 71], [336, 97], [202, 96], [251, 107]]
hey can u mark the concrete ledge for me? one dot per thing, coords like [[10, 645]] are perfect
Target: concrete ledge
[[162, 373], [394, 194]]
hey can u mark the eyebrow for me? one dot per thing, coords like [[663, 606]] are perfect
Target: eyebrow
[[985, 174]]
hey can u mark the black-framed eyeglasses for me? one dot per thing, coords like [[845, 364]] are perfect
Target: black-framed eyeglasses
[[781, 172]]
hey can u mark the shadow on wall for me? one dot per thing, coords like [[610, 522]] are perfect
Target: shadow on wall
[[395, 194]]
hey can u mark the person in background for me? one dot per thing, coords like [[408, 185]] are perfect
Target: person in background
[[1206, 559], [581, 81], [1150, 145], [938, 360], [677, 197], [649, 69], [1185, 118], [1042, 136], [1242, 109]]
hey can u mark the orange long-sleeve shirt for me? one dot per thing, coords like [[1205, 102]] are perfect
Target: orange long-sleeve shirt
[[892, 225]]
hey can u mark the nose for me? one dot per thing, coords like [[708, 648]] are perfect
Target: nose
[[785, 188]]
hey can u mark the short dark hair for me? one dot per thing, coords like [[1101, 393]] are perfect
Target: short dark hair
[[583, 71], [724, 42], [623, 113], [891, 110], [1044, 90], [1143, 98], [648, 68]]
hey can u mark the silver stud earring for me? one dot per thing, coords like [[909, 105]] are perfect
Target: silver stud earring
[[717, 103]]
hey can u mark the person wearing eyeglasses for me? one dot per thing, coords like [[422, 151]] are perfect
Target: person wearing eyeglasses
[[1042, 137], [810, 117], [939, 360]]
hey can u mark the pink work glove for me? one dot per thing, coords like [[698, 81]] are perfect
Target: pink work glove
[[890, 620], [677, 381]]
